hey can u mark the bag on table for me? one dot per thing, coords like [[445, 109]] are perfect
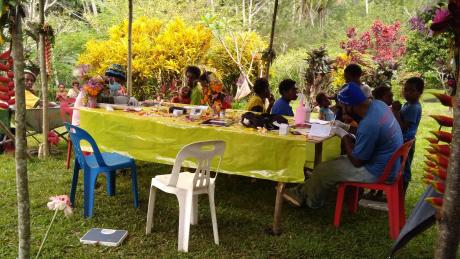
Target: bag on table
[[252, 120]]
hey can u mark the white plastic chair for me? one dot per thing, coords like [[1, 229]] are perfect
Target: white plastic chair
[[187, 186]]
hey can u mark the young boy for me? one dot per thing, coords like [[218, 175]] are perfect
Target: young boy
[[288, 92], [384, 94], [352, 74], [192, 75], [325, 113], [262, 92], [409, 118], [61, 93]]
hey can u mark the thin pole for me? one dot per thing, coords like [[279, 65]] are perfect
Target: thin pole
[[272, 36], [44, 80], [130, 48]]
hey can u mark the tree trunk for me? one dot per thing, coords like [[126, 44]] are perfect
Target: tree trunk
[[44, 147], [130, 47], [22, 185], [94, 7], [272, 38], [243, 11], [449, 221]]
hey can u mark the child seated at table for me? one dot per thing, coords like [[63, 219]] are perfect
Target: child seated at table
[[262, 93], [288, 91], [325, 113], [61, 94], [183, 96]]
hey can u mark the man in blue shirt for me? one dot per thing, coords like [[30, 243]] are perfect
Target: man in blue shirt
[[409, 118], [288, 92], [377, 138]]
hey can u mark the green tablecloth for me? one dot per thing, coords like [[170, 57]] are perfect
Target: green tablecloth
[[248, 153]]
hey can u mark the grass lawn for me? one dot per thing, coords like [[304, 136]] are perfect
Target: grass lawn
[[244, 212]]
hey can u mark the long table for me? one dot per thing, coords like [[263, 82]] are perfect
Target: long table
[[156, 137]]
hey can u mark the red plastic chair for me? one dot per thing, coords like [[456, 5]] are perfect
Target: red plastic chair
[[66, 116], [393, 191]]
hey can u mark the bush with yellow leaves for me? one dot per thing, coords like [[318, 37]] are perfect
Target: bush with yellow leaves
[[160, 51]]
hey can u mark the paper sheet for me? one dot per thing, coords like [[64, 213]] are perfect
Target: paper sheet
[[318, 130]]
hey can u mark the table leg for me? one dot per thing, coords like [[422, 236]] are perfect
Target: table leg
[[318, 154], [276, 229]]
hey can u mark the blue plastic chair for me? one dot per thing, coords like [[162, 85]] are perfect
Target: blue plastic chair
[[95, 164]]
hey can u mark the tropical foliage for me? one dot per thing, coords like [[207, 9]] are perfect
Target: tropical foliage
[[160, 50]]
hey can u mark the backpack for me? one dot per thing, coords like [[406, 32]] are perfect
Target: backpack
[[252, 120]]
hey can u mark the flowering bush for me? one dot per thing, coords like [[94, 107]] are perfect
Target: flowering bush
[[385, 46], [383, 42]]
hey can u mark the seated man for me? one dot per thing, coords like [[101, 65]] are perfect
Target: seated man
[[261, 93], [377, 138], [288, 92]]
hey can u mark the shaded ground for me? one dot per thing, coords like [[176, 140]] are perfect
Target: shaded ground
[[244, 211]]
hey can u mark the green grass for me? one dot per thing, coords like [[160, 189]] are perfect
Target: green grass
[[244, 212]]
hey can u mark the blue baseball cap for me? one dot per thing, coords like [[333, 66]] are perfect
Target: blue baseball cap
[[351, 94]]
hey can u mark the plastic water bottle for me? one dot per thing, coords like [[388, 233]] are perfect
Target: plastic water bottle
[[307, 112], [301, 111]]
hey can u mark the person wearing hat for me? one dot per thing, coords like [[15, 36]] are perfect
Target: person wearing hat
[[116, 75], [29, 81], [377, 138]]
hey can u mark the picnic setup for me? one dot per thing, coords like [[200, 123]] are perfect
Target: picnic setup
[[242, 128]]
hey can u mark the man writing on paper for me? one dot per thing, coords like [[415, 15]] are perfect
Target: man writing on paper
[[377, 138]]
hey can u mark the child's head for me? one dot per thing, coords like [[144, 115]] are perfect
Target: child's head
[[61, 87], [322, 100], [353, 73], [75, 84], [192, 74], [413, 89], [288, 90], [205, 79], [261, 88], [384, 94], [184, 92]]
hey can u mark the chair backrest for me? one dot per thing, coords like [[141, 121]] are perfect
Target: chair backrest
[[78, 134], [204, 152], [66, 110], [402, 153]]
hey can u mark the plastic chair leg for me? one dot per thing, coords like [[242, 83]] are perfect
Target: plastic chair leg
[[212, 207], [73, 188], [339, 205], [402, 211], [134, 185], [151, 208], [194, 216], [69, 152], [90, 183], [353, 200], [185, 211], [111, 182], [393, 217]]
